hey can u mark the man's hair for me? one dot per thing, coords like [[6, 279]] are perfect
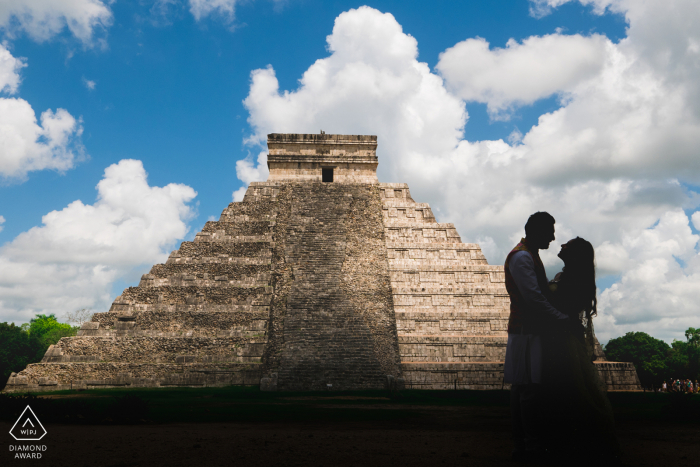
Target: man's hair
[[538, 222]]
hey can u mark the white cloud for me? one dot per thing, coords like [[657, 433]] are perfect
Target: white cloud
[[26, 145], [43, 19], [541, 8], [89, 84], [74, 257], [520, 74], [2, 221], [247, 171], [203, 8], [617, 157], [659, 290], [370, 84], [9, 71]]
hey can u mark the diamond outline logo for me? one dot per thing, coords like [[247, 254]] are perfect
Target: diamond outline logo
[[28, 419]]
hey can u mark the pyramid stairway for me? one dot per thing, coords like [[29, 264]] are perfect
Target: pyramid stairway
[[451, 306], [199, 319], [306, 285]]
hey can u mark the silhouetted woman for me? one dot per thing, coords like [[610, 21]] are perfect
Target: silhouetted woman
[[580, 421]]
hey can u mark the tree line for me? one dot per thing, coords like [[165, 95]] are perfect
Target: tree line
[[27, 343], [655, 360]]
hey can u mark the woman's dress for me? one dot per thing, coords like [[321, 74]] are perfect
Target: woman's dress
[[579, 419]]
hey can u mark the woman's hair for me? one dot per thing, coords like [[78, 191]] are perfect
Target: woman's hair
[[579, 273]]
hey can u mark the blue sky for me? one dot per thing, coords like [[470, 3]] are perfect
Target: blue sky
[[576, 95], [169, 90]]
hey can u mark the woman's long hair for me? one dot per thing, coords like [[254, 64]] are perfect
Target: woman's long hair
[[579, 275]]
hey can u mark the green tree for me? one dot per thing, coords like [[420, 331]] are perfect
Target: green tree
[[677, 360], [648, 354], [17, 350], [48, 330], [683, 359]]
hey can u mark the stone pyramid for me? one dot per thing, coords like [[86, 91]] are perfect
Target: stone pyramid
[[321, 278]]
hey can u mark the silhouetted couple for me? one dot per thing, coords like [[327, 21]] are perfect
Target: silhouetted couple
[[559, 406]]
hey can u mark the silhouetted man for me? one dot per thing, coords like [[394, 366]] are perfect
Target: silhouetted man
[[530, 315]]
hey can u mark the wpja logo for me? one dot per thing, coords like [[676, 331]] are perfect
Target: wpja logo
[[28, 428]]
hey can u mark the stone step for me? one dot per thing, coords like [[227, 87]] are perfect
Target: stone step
[[400, 203], [434, 252], [462, 297], [407, 264], [448, 339], [203, 322], [420, 351], [453, 375], [233, 271], [238, 229], [262, 260], [249, 211], [458, 322], [418, 239], [439, 275], [187, 280], [395, 213], [449, 309], [619, 376], [392, 245], [130, 308], [451, 301], [220, 236], [394, 191], [411, 232], [135, 325], [218, 249], [449, 267], [465, 289], [261, 192], [239, 218], [431, 313], [39, 377], [152, 349], [191, 295]]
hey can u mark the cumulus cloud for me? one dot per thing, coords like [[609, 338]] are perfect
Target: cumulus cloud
[[25, 144], [619, 156], [2, 221], [9, 71], [247, 171], [370, 84], [659, 288], [72, 260], [43, 19], [520, 73]]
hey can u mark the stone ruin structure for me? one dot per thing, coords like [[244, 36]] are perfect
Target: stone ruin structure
[[321, 278]]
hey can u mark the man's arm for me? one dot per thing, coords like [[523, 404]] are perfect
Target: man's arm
[[522, 268]]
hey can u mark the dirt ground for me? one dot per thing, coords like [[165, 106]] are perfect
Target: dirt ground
[[469, 436]]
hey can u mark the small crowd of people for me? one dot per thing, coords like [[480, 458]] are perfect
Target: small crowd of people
[[680, 385]]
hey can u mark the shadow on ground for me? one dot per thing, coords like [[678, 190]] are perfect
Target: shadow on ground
[[243, 426]]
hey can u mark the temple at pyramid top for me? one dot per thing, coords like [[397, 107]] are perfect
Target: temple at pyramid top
[[322, 157]]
